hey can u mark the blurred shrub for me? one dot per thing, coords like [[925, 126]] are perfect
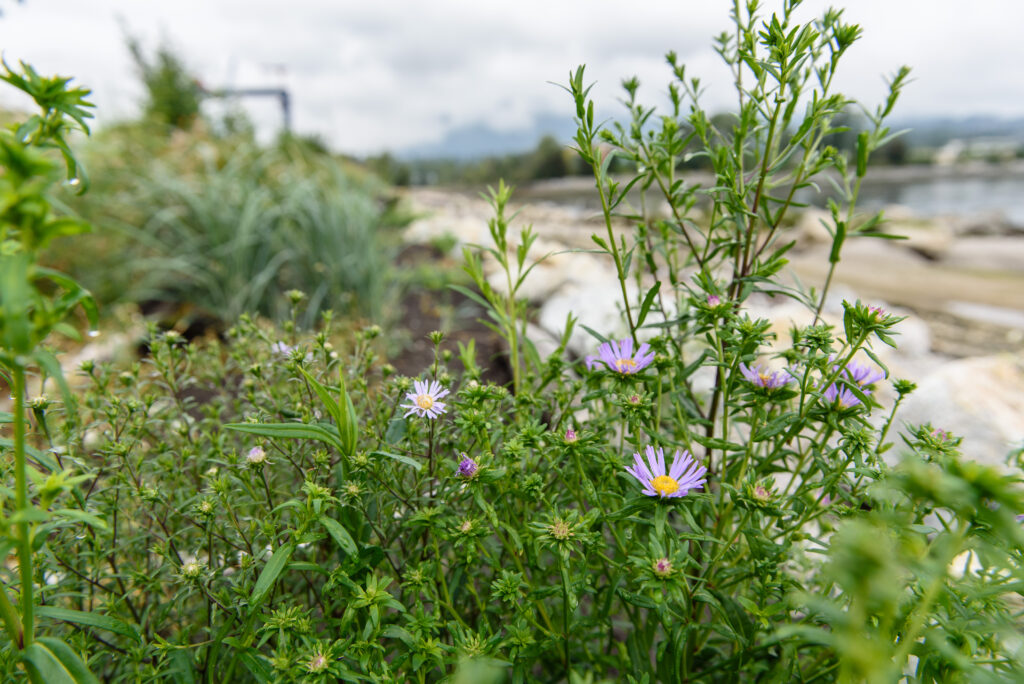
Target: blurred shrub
[[227, 227], [173, 95]]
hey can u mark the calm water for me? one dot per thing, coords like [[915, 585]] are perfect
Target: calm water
[[926, 191], [953, 195]]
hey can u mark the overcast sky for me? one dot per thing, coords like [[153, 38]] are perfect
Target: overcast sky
[[369, 76]]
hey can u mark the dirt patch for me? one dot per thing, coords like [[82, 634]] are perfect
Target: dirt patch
[[426, 309]]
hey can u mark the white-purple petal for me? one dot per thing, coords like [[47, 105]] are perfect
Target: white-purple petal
[[643, 469]]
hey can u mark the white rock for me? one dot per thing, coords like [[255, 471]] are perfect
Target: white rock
[[980, 399], [545, 343], [988, 254], [810, 228], [596, 305]]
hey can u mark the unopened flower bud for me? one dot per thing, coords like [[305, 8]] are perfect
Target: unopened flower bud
[[467, 468], [256, 456]]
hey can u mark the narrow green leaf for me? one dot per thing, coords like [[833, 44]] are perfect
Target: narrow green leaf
[[863, 150], [90, 620], [874, 357], [340, 535], [290, 431], [29, 515], [837, 242], [269, 575], [257, 665], [636, 599], [648, 301], [775, 426], [472, 295], [398, 457], [400, 633], [348, 427], [51, 661], [81, 516], [15, 296], [594, 333], [329, 402]]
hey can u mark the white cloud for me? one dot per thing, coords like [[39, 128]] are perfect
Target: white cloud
[[391, 74]]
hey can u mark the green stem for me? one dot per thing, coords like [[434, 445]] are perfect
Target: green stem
[[888, 424], [607, 212], [447, 599], [513, 337], [565, 614], [21, 503]]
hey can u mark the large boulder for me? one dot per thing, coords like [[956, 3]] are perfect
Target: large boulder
[[980, 399]]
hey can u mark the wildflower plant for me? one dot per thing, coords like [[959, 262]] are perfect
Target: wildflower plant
[[312, 515], [35, 302]]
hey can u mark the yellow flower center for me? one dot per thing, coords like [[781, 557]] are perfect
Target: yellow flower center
[[664, 485], [425, 401], [765, 378], [625, 365]]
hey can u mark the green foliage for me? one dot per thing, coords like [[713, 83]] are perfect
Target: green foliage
[[279, 506], [63, 110], [173, 95], [225, 226], [34, 302]]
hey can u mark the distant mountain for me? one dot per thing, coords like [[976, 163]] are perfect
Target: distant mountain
[[479, 139], [936, 131]]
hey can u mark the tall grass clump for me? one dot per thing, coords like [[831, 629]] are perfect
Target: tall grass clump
[[693, 501], [224, 225], [231, 236]]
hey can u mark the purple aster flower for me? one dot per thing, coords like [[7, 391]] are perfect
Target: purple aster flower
[[424, 400], [570, 436], [765, 377], [714, 300], [619, 357], [684, 475], [844, 397], [282, 348], [467, 468], [862, 374]]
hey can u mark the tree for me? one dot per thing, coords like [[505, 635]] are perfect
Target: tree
[[173, 94]]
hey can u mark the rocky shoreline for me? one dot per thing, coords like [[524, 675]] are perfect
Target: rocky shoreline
[[960, 281]]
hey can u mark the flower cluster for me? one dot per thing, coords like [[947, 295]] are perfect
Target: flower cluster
[[864, 376]]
